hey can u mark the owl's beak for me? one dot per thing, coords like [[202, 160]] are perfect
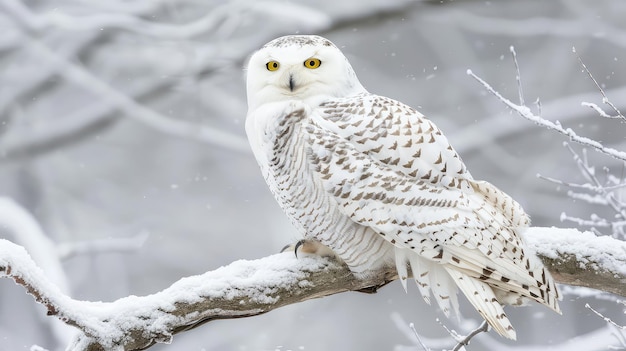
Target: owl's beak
[[292, 83]]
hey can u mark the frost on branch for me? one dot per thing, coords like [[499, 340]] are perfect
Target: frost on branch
[[603, 191], [241, 289], [581, 259], [586, 251], [248, 288]]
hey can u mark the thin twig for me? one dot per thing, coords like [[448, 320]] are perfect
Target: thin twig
[[483, 328], [417, 336], [518, 76], [605, 99], [556, 126], [586, 186], [587, 171], [606, 319]]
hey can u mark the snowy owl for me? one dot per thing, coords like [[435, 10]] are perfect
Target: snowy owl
[[377, 183]]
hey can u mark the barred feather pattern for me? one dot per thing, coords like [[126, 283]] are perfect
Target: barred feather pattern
[[356, 170], [379, 184], [281, 146]]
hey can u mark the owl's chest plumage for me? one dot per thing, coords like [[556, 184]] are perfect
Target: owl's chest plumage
[[279, 135]]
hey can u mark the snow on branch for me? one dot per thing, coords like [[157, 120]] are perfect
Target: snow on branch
[[581, 258], [594, 191], [525, 111], [249, 288], [241, 289]]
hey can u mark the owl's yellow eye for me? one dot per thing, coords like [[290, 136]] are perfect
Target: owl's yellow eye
[[312, 63], [272, 65]]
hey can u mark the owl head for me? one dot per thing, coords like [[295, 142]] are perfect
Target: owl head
[[299, 67]]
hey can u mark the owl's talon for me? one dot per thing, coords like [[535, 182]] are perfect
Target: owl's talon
[[298, 244], [295, 247], [311, 247]]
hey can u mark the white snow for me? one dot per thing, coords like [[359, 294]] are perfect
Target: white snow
[[256, 280], [28, 233], [594, 252]]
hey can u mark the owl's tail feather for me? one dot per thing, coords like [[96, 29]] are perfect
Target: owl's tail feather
[[482, 297], [401, 267], [429, 276], [403, 258], [519, 272]]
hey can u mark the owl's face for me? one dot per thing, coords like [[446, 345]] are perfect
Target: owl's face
[[299, 67]]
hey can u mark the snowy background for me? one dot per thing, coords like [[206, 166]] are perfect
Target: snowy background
[[121, 131]]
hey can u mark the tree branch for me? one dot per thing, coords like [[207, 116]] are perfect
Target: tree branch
[[525, 112], [249, 288]]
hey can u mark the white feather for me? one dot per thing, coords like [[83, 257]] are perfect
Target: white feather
[[421, 268], [481, 296], [401, 263]]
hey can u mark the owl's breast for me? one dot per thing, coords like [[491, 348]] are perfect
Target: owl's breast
[[281, 143], [278, 139]]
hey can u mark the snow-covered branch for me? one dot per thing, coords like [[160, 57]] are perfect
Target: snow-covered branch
[[241, 289], [525, 112], [581, 258], [249, 288], [604, 193]]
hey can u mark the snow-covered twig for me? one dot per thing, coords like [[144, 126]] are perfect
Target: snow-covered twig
[[250, 288], [589, 172], [518, 76], [604, 195], [605, 98], [606, 319], [525, 112], [618, 329], [605, 192], [482, 328], [25, 230]]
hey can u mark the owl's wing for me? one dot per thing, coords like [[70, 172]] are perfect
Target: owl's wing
[[406, 155], [397, 136], [391, 169]]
